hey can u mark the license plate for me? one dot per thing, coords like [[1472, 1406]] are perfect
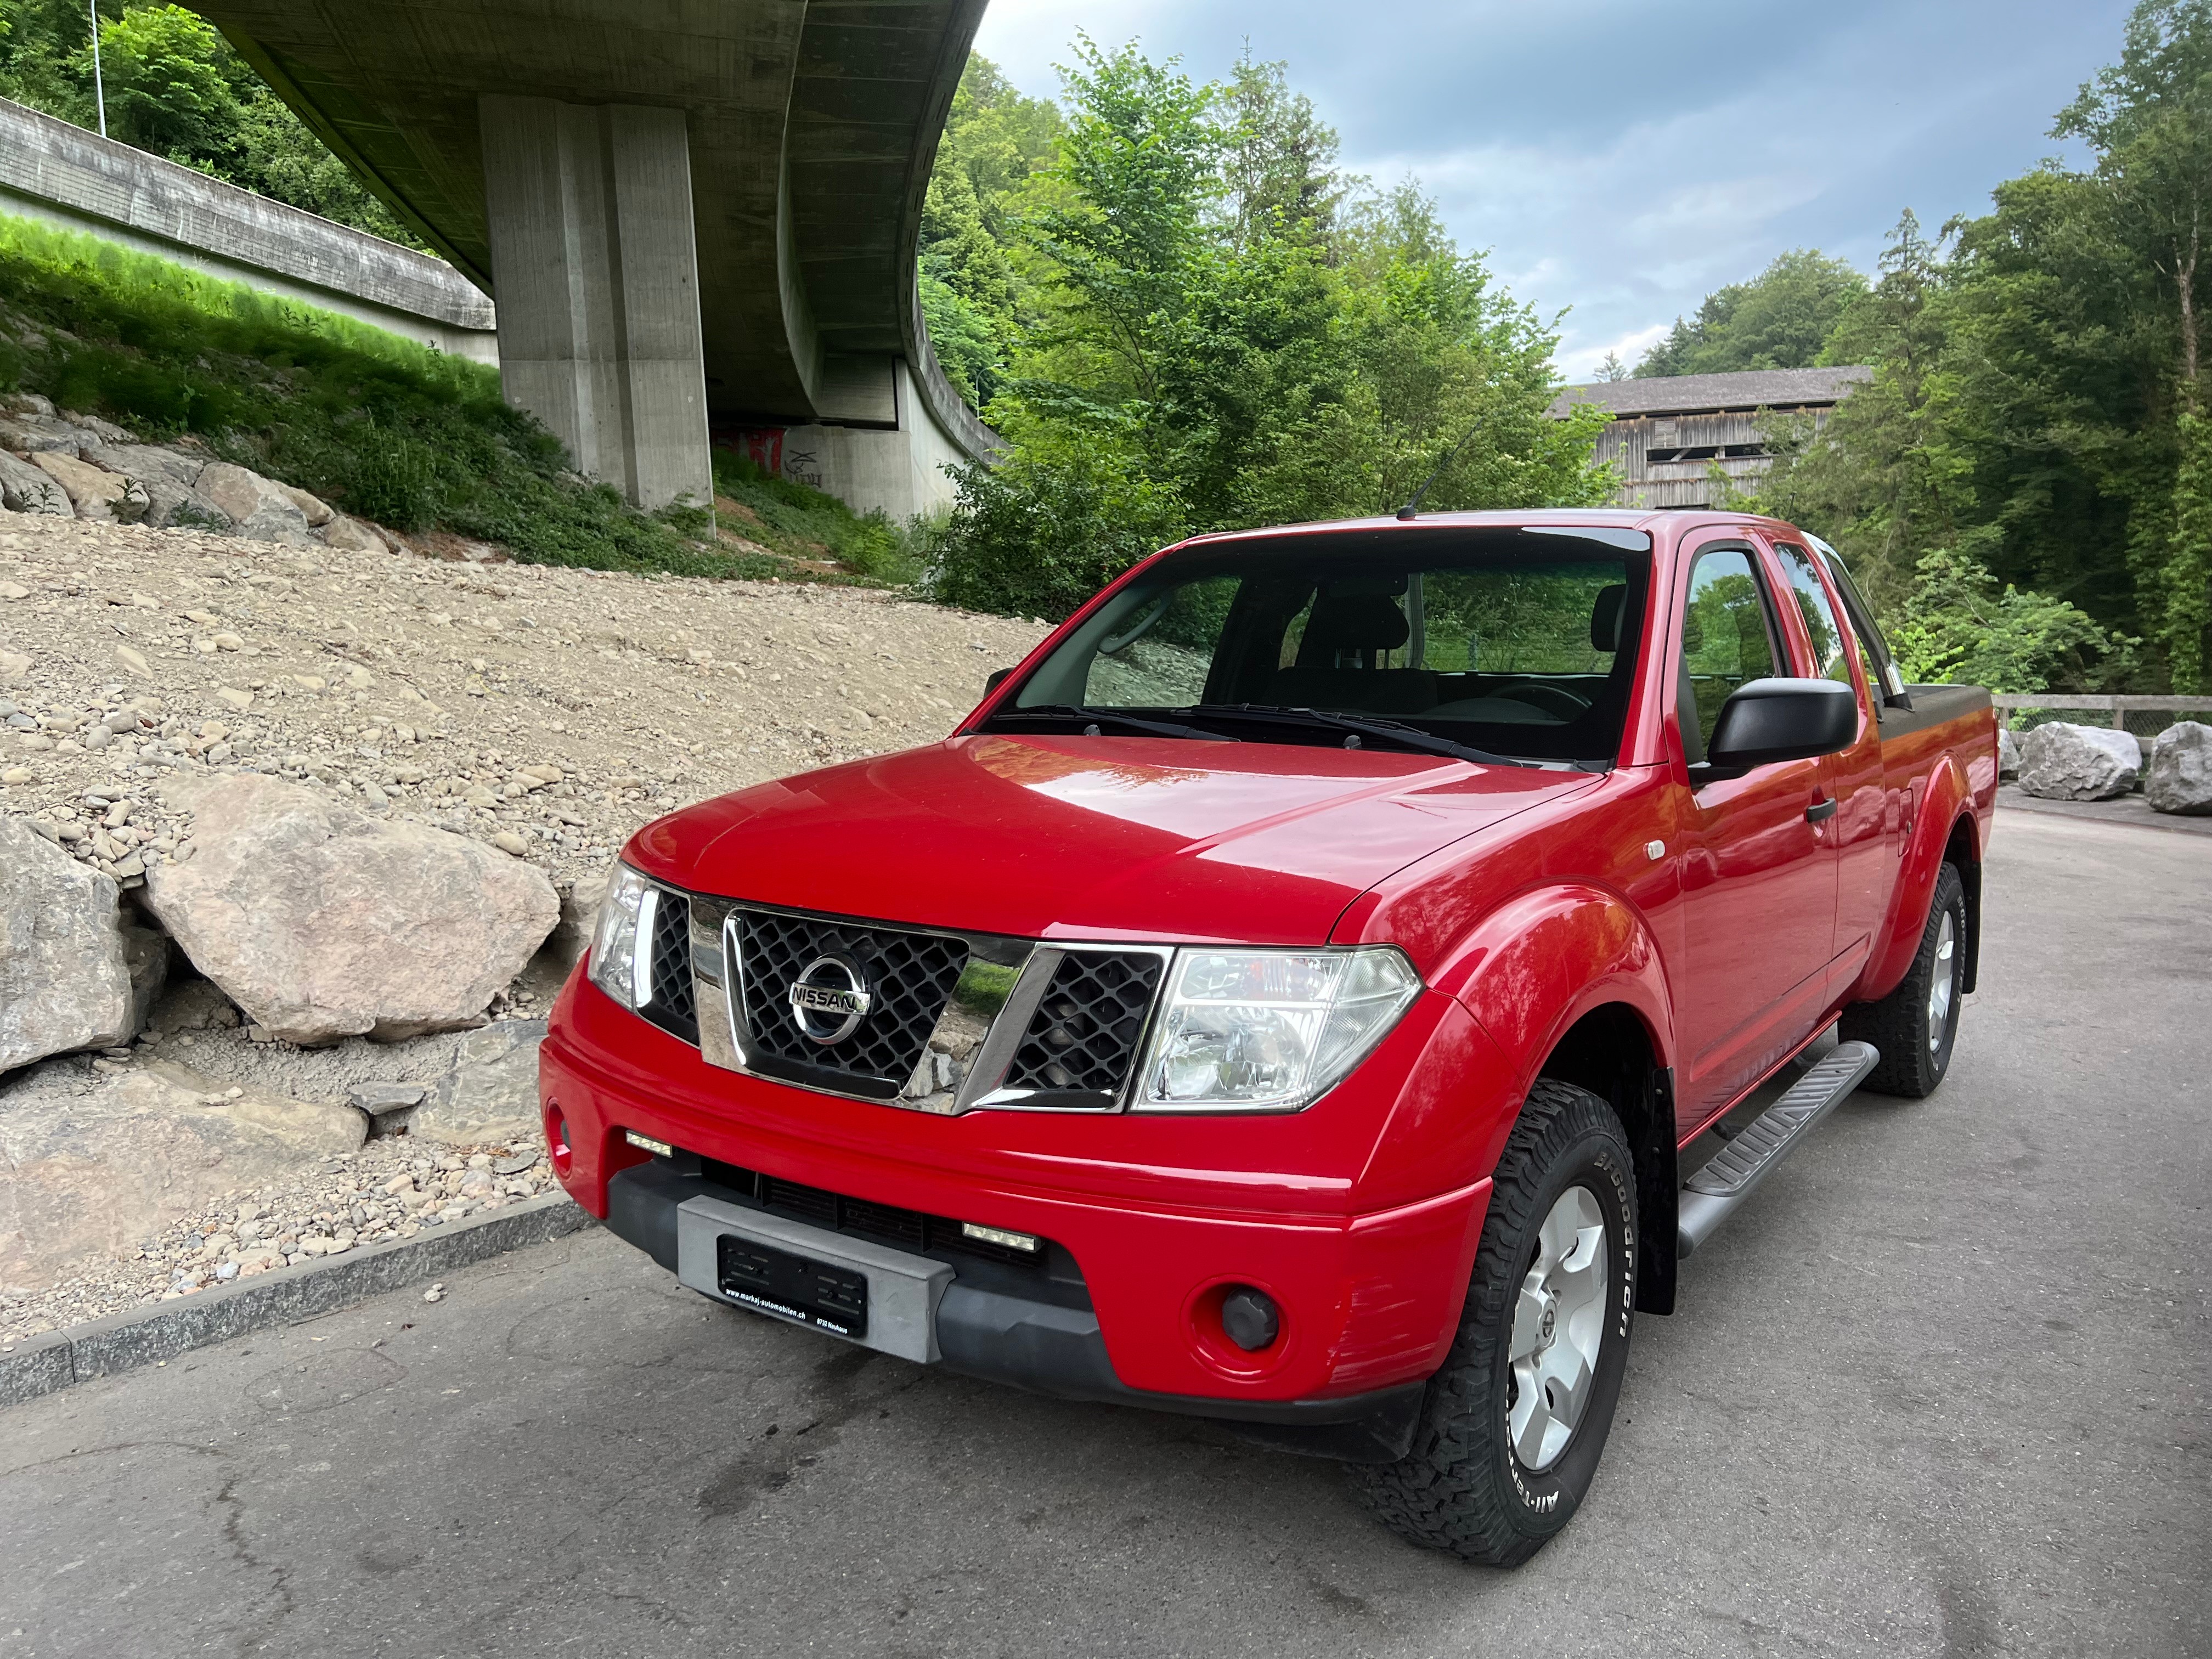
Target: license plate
[[757, 1275]]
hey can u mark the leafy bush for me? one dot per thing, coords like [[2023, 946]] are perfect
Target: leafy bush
[[1957, 627]]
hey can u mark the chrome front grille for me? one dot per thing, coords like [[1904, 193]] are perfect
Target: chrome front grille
[[955, 1021], [910, 977]]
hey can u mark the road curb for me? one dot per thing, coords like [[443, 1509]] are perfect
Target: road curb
[[288, 1295]]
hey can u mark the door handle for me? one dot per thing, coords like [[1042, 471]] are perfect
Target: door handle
[[1820, 810]]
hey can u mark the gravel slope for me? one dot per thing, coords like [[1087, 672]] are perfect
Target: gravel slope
[[548, 711]]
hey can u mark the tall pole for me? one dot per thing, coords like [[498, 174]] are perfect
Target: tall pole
[[99, 87]]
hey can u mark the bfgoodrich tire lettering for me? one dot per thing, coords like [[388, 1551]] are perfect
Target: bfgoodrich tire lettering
[[1916, 1025], [1462, 1487]]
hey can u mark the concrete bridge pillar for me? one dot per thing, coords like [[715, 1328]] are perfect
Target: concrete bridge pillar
[[596, 272]]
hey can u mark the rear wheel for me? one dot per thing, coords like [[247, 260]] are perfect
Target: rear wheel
[[1512, 1426], [1916, 1025]]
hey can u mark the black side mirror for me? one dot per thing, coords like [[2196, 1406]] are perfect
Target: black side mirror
[[994, 679], [1778, 720]]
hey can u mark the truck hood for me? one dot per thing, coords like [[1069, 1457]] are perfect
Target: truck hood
[[1100, 838]]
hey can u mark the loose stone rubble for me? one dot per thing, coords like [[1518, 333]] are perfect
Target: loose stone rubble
[[2181, 776], [2062, 761]]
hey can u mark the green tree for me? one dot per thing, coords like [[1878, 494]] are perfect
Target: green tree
[[2149, 118], [1225, 333], [972, 294], [1779, 319]]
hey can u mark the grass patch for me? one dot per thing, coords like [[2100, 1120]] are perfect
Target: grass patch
[[376, 424], [803, 522]]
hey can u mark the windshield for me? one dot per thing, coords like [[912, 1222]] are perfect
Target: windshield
[[1518, 642]]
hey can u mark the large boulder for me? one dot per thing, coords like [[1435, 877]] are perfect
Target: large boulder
[[2060, 762], [321, 922], [491, 1096], [170, 478], [2007, 753], [65, 978], [260, 508], [27, 489], [95, 493], [91, 1171], [2180, 778]]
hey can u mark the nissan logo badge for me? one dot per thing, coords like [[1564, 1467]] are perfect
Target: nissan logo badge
[[829, 1000]]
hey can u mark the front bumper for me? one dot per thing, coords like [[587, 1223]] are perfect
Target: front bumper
[[1035, 1339], [1334, 1213]]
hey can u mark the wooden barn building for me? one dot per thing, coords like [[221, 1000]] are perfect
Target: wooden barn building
[[1668, 432]]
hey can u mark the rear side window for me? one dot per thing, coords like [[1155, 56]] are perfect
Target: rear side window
[[1831, 657], [1874, 650], [1726, 640]]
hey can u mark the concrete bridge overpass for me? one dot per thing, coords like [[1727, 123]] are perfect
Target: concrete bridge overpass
[[693, 214]]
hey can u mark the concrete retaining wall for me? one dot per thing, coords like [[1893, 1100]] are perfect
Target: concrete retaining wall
[[65, 176]]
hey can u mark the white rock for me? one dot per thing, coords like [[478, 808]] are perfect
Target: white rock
[[2007, 753], [89, 1173], [322, 922], [99, 495], [350, 535], [2061, 762], [2180, 778], [65, 974], [260, 509], [316, 512], [491, 1093], [25, 488], [169, 478]]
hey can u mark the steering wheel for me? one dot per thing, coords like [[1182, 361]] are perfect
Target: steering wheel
[[1553, 699]]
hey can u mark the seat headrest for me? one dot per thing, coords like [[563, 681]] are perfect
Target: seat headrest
[[1355, 622], [1606, 615]]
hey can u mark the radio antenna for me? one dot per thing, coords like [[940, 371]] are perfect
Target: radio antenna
[[1413, 506]]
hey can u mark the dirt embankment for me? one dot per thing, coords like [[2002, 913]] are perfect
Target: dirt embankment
[[548, 711]]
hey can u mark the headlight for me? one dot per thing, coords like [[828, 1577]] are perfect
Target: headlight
[[622, 948], [1269, 1031]]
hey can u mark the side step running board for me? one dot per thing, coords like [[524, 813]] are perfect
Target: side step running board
[[1711, 1195]]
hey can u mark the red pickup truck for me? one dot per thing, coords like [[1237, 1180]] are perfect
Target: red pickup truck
[[1304, 993]]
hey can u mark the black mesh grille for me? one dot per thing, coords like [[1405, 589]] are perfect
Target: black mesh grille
[[909, 976], [1084, 1034], [675, 1004]]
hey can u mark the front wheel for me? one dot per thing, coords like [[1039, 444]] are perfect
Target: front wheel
[[1512, 1427], [1916, 1025]]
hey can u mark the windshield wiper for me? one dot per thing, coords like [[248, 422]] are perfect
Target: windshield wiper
[[1062, 711], [1369, 725]]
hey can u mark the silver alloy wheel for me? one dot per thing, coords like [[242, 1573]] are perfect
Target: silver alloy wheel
[[1943, 985], [1558, 1325]]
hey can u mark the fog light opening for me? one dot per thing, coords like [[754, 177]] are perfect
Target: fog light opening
[[556, 1140], [1250, 1318]]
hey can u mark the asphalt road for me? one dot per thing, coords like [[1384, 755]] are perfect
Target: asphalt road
[[1941, 1389]]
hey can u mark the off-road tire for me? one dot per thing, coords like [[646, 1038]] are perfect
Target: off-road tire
[[1462, 1488], [1912, 1065]]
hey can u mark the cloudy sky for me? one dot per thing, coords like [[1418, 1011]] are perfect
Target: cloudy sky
[[1623, 158]]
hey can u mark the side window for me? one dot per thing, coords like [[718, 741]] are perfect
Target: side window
[[1874, 650], [1726, 641], [1831, 658]]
